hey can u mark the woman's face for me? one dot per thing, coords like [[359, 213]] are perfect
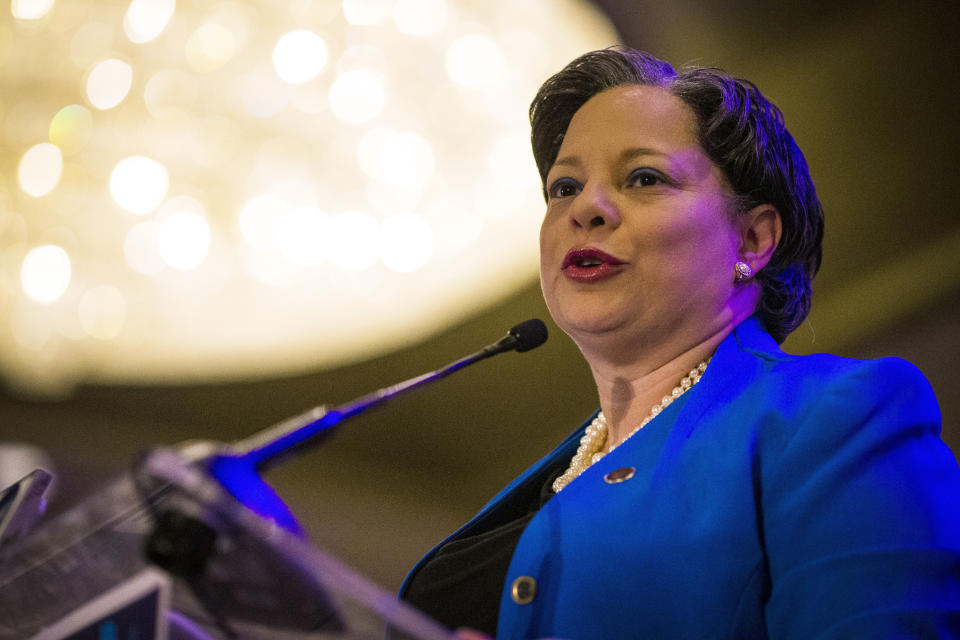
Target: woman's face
[[638, 233]]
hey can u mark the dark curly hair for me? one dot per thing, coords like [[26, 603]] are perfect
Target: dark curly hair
[[744, 135]]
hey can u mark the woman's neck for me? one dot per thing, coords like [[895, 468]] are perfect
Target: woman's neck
[[629, 387]]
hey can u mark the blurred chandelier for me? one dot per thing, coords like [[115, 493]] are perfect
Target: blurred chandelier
[[238, 188]]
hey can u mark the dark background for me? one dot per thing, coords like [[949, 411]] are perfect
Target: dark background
[[869, 92]]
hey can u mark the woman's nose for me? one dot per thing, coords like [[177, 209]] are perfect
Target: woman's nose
[[594, 208]]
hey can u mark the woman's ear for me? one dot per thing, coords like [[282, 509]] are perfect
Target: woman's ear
[[760, 234]]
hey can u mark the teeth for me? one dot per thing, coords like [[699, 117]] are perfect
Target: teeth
[[590, 263]]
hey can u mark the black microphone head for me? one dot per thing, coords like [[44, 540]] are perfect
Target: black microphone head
[[529, 334]]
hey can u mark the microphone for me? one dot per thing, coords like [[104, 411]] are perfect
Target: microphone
[[525, 336], [528, 335], [265, 448]]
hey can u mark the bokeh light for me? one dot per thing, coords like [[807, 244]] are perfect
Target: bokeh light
[[40, 169], [109, 83], [264, 95], [358, 96], [30, 9], [299, 56], [71, 128], [305, 240], [368, 149], [509, 162], [183, 233], [473, 60], [355, 242], [367, 12], [261, 221], [183, 240], [407, 242], [45, 273], [146, 19], [139, 184], [405, 161], [420, 17], [141, 248], [210, 47], [102, 311]]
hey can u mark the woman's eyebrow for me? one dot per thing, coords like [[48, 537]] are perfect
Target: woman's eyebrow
[[635, 152], [625, 156]]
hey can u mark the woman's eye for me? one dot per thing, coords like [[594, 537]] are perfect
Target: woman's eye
[[564, 188], [646, 178]]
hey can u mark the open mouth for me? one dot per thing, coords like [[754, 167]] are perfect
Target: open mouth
[[590, 265], [589, 259]]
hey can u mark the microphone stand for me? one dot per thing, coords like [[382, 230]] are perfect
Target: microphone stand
[[183, 543]]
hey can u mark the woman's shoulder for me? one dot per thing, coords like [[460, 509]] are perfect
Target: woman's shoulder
[[825, 394], [889, 372], [821, 401], [829, 372]]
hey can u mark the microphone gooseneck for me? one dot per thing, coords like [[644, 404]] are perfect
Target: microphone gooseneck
[[266, 447]]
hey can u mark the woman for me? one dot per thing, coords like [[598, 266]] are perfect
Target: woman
[[726, 489]]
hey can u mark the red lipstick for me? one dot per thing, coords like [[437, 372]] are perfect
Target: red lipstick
[[590, 265]]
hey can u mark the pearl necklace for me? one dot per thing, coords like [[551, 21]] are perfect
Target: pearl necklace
[[595, 436]]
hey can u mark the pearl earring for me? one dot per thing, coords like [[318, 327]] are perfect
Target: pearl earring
[[742, 271]]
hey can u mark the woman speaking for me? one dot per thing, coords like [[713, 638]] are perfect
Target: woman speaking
[[725, 489]]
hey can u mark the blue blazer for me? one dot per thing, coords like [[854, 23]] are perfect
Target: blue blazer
[[782, 497]]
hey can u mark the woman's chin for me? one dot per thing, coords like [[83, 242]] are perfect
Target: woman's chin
[[589, 323]]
